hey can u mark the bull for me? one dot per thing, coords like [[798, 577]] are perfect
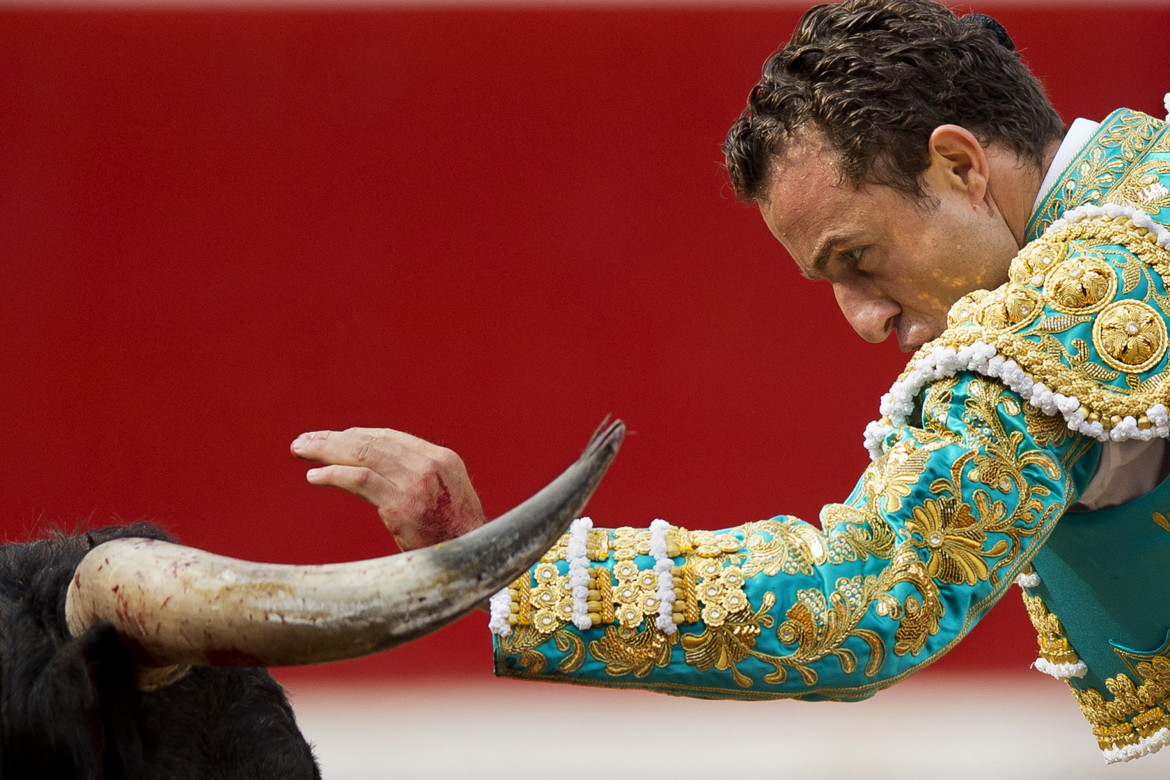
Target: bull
[[124, 655]]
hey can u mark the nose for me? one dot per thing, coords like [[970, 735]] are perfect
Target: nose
[[870, 313]]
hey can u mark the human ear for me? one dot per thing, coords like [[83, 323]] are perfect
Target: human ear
[[958, 162]]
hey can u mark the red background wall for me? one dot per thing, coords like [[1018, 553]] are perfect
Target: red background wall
[[489, 227]]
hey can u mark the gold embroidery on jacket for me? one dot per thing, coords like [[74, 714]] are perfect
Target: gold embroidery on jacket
[[523, 642], [626, 650], [1135, 711], [1083, 284], [967, 526], [1143, 187], [1093, 175], [1054, 646], [724, 646]]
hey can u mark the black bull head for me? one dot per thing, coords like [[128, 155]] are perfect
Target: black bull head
[[114, 663]]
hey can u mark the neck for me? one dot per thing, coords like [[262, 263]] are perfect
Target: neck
[[1018, 186]]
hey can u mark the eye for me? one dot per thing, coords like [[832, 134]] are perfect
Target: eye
[[855, 257]]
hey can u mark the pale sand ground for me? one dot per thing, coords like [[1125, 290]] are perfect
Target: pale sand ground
[[1024, 726]]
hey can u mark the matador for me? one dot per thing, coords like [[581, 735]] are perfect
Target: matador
[[909, 158]]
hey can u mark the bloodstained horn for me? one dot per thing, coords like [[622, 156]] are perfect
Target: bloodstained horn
[[177, 606]]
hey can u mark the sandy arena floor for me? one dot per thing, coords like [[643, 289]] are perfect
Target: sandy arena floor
[[1026, 726]]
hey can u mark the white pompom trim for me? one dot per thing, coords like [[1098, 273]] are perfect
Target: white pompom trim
[[1029, 580], [500, 609], [575, 554], [1060, 671], [1146, 746], [663, 566]]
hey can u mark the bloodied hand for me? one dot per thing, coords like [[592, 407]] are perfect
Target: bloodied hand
[[422, 491]]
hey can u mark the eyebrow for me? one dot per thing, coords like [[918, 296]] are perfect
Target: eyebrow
[[820, 260]]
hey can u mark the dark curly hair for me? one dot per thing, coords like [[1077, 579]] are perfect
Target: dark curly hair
[[876, 77]]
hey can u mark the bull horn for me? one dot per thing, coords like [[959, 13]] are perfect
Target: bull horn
[[176, 606]]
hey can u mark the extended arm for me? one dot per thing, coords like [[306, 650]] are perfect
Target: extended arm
[[933, 534]]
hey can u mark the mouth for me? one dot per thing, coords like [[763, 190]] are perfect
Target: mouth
[[911, 336]]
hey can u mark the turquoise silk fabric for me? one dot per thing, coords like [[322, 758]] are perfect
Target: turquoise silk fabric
[[934, 533], [984, 444]]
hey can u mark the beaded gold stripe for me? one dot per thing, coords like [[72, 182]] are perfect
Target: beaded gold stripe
[[627, 595]]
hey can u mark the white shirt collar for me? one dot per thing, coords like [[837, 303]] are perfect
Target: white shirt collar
[[1078, 135]]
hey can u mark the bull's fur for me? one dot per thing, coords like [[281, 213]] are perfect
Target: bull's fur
[[69, 708]]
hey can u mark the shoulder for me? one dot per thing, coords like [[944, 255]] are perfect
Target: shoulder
[[1080, 329]]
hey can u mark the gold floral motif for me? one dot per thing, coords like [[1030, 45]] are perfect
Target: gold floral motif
[[855, 533], [1035, 260], [524, 641], [1010, 307], [782, 544], [720, 591], [999, 464], [894, 475], [634, 593], [628, 543], [1048, 431], [962, 312], [953, 540], [625, 543], [1082, 284], [627, 651], [708, 544], [918, 616], [723, 647], [1130, 336], [936, 409], [819, 626], [550, 600]]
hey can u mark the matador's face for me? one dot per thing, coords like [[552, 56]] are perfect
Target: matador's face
[[896, 264]]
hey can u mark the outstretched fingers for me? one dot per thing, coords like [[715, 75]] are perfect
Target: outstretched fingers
[[422, 491]]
